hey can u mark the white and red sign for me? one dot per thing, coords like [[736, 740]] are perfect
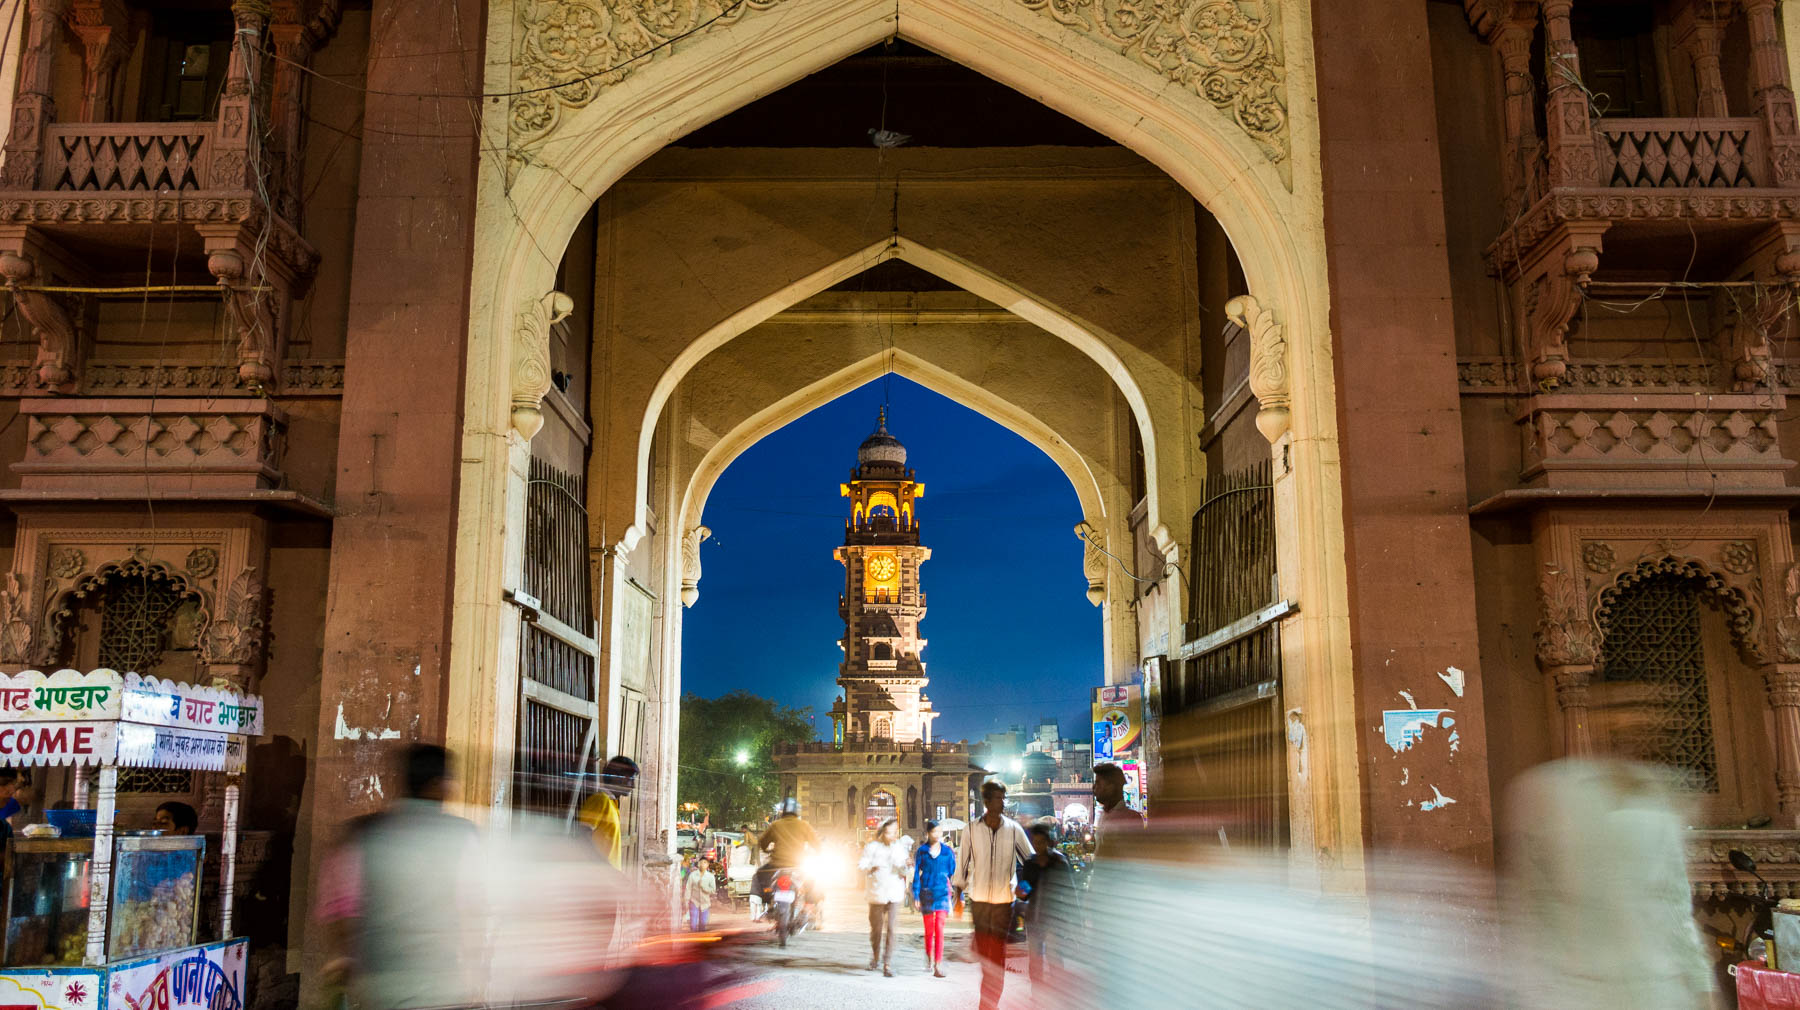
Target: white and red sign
[[160, 747], [58, 743], [167, 703], [209, 977]]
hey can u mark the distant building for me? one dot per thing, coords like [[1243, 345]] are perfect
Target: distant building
[[882, 761]]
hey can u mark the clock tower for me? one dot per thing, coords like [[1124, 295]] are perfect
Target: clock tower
[[882, 675]]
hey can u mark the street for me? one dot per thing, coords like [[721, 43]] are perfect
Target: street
[[829, 968]]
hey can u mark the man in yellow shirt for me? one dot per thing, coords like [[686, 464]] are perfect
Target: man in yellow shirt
[[601, 810], [788, 839]]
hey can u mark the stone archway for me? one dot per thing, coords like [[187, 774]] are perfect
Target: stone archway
[[1224, 108]]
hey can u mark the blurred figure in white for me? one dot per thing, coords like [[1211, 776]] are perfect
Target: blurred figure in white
[[884, 862], [1598, 894], [398, 898], [1183, 927], [986, 872]]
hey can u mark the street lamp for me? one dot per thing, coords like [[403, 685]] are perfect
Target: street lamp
[[742, 757]]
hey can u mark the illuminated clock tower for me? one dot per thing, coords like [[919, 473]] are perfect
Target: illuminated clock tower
[[883, 675]]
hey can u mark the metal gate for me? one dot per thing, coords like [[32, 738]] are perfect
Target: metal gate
[[558, 703], [1224, 746]]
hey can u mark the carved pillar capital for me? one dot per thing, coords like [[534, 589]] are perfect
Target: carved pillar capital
[[1773, 91], [1093, 560], [531, 358], [1567, 647], [232, 645], [1699, 31], [1268, 363], [690, 564]]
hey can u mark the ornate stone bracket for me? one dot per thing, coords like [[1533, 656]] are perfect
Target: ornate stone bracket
[[1093, 560], [1268, 364], [250, 309], [531, 359], [690, 564], [1555, 282], [233, 642], [58, 362]]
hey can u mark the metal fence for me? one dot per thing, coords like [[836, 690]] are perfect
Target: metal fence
[[1224, 746]]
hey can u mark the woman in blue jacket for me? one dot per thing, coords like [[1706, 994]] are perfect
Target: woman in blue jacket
[[932, 869]]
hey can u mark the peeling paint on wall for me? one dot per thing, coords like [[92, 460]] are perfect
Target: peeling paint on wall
[[1456, 679], [1438, 801], [1402, 727], [345, 731]]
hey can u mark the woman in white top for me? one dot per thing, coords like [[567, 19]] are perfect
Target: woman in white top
[[885, 860]]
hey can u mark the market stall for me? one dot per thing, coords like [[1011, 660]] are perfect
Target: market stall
[[109, 920]]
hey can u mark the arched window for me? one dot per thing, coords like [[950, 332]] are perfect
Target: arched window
[[912, 807], [882, 504], [883, 651], [884, 729], [1653, 695]]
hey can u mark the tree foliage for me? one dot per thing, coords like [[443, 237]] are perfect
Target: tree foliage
[[714, 731]]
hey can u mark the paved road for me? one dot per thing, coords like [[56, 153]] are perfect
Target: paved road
[[828, 970]]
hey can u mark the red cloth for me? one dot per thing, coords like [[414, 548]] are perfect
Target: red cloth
[[1758, 988], [934, 936]]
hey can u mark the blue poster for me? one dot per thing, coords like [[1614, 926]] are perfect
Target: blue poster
[[1103, 733]]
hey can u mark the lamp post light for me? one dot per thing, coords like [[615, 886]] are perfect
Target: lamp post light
[[742, 757]]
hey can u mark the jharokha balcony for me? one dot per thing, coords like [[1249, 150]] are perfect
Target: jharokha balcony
[[1595, 191], [82, 196]]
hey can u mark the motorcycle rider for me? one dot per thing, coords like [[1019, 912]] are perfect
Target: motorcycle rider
[[787, 841]]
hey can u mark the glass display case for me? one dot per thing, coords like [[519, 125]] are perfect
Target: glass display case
[[156, 894], [47, 900]]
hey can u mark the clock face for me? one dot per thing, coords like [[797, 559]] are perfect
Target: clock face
[[882, 568]]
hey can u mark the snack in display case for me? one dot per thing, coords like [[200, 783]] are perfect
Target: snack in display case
[[156, 894], [47, 901]]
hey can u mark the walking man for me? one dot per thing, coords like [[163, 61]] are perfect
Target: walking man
[[987, 872]]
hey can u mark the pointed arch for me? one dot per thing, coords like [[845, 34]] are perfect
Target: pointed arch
[[1101, 347]]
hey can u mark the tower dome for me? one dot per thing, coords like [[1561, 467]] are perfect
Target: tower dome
[[881, 447]]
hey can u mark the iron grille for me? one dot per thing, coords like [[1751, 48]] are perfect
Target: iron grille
[[1653, 642], [156, 781], [135, 612], [556, 563], [550, 756], [1233, 577]]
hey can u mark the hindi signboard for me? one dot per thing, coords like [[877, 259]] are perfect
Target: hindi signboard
[[162, 747], [209, 977], [58, 743], [66, 695], [156, 702]]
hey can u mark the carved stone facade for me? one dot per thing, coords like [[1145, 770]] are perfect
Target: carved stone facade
[[1572, 440], [215, 444]]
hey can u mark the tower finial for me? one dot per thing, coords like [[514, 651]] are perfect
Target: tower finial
[[881, 420]]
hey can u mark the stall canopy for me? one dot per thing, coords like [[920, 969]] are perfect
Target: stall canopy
[[102, 717]]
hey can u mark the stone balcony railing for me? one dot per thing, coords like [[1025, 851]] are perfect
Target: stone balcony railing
[[153, 157], [1684, 153], [167, 444], [1777, 855], [1598, 440]]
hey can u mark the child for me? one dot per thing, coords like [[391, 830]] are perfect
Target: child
[[700, 887]]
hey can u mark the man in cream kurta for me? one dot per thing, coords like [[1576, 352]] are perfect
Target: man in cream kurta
[[986, 872]]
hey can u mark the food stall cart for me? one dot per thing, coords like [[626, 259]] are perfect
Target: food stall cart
[[111, 922]]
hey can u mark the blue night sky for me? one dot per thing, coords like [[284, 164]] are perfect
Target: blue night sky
[[1012, 637]]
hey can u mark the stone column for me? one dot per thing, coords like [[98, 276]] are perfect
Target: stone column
[[1782, 681], [34, 108], [105, 41], [1700, 34], [1568, 116], [1773, 91], [1572, 700], [294, 45], [1521, 145], [235, 150]]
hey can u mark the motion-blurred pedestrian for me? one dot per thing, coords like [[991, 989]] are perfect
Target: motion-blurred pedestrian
[[986, 871], [884, 861], [933, 868], [401, 923], [1115, 823], [1047, 888]]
